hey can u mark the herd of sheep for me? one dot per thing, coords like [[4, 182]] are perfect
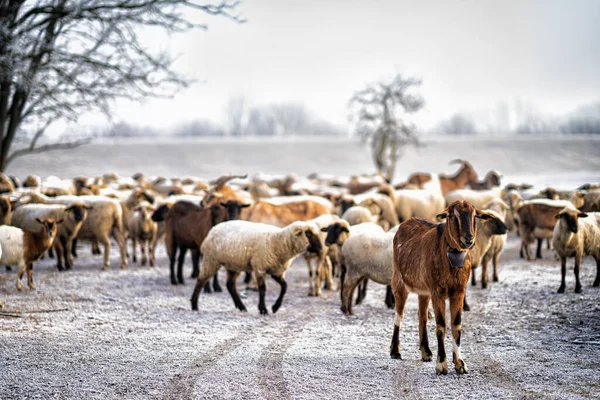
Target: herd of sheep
[[427, 235]]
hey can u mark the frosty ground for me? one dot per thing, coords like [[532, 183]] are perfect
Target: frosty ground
[[130, 334]]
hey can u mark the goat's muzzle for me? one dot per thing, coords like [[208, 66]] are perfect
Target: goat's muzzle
[[457, 258]]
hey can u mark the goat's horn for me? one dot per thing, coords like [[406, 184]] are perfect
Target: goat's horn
[[221, 181]]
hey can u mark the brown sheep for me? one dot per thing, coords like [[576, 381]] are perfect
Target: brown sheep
[[434, 261]]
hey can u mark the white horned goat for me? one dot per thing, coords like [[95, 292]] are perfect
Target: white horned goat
[[260, 248]]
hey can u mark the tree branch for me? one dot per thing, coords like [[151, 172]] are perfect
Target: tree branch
[[47, 147]]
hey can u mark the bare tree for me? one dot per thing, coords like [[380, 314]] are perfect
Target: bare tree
[[380, 113], [62, 58], [236, 113]]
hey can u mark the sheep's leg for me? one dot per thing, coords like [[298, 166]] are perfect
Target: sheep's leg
[[144, 251], [389, 297], [495, 261], [347, 294], [538, 253], [195, 263], [473, 279], [151, 249], [563, 272], [21, 271], [597, 280], [328, 269], [400, 294], [319, 274], [58, 249], [232, 277], [311, 276], [180, 260], [247, 277], [30, 276], [69, 259], [484, 270], [74, 248], [133, 249], [216, 287], [95, 247], [548, 243], [120, 238], [209, 268], [439, 309], [362, 292], [106, 243], [50, 253], [426, 354], [341, 282], [456, 302], [282, 289], [262, 289], [576, 270]]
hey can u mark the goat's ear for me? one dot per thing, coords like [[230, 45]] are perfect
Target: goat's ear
[[298, 232], [441, 216], [223, 204], [326, 229], [582, 215], [39, 220]]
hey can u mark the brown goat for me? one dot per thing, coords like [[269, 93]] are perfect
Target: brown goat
[[220, 192], [284, 214], [434, 261], [465, 174], [186, 227], [492, 178], [536, 221], [5, 210]]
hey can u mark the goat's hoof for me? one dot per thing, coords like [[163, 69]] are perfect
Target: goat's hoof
[[31, 286], [396, 355], [144, 263], [461, 368], [243, 309], [181, 281], [496, 278], [561, 289], [596, 284], [441, 368], [194, 307], [60, 269], [69, 267], [152, 263], [578, 289], [426, 355], [123, 266], [173, 282], [484, 285], [466, 307], [263, 311], [19, 287], [275, 308], [217, 289], [106, 267]]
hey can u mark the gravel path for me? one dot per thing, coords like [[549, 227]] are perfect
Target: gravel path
[[129, 334]]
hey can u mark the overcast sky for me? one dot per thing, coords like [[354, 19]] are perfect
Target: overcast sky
[[469, 53]]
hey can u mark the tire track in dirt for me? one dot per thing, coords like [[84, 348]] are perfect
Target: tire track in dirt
[[183, 383], [269, 370]]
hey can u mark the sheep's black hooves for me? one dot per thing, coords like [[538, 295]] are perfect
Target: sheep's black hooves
[[484, 285], [578, 289], [263, 311], [207, 289], [495, 279], [596, 284], [181, 281], [173, 282], [275, 308], [561, 289], [194, 306], [217, 289]]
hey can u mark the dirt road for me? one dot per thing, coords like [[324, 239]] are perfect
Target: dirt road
[[129, 334]]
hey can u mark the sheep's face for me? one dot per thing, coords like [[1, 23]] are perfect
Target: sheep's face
[[312, 237], [161, 213], [233, 209], [346, 204], [79, 211], [336, 234], [492, 224], [494, 178], [570, 219]]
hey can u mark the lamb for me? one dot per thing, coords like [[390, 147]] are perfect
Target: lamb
[[143, 230], [366, 254], [23, 247], [72, 217], [576, 234], [433, 261], [263, 249], [104, 218], [333, 232]]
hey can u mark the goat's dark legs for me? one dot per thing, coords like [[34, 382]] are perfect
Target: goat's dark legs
[[439, 309], [400, 295], [231, 288], [195, 263], [423, 339], [456, 302], [283, 288], [180, 260], [389, 297], [538, 253]]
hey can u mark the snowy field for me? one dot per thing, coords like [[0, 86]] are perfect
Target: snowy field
[[129, 334]]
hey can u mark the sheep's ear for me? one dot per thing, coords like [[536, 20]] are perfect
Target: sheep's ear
[[580, 194], [298, 232], [245, 205], [223, 204], [582, 215], [88, 207], [442, 216], [60, 221], [69, 208], [325, 229], [39, 220], [482, 215]]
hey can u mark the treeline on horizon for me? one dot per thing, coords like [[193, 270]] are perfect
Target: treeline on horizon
[[281, 120]]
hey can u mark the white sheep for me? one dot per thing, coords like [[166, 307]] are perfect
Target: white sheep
[[476, 197], [143, 230], [497, 244], [577, 234], [260, 248], [366, 254], [23, 247], [359, 214]]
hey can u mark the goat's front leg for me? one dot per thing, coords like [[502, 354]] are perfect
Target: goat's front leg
[[439, 309], [283, 288], [423, 339], [456, 302]]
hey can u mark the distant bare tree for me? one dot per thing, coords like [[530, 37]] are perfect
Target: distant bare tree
[[236, 114], [291, 119], [61, 58], [458, 124], [380, 114]]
